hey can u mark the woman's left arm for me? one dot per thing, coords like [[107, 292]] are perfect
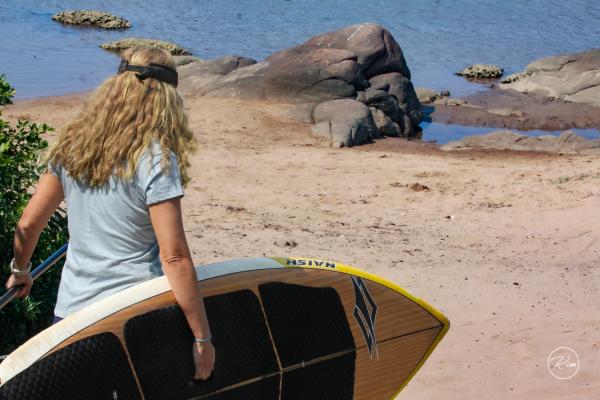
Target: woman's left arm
[[178, 266], [46, 199]]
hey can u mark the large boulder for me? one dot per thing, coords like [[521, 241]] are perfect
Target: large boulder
[[315, 75], [180, 61], [387, 104], [404, 93], [361, 62], [346, 122], [245, 82], [329, 66], [294, 80], [121, 45], [569, 78], [384, 124], [217, 66], [376, 96], [301, 112], [374, 47], [97, 19]]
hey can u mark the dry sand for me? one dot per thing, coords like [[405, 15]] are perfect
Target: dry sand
[[505, 244]]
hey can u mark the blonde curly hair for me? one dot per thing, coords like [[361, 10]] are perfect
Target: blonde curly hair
[[121, 120]]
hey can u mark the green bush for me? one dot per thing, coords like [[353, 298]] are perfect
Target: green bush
[[20, 148]]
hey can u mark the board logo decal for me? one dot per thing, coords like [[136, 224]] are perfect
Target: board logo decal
[[365, 312], [300, 262]]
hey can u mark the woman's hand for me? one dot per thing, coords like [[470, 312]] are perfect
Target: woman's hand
[[204, 359], [25, 283]]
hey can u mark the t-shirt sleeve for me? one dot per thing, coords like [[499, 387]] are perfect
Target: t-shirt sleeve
[[162, 185], [55, 170]]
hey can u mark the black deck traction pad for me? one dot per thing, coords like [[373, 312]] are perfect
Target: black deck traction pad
[[160, 346], [94, 368], [265, 389], [331, 379], [306, 322]]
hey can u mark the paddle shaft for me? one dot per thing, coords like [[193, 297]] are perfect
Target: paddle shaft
[[36, 273]]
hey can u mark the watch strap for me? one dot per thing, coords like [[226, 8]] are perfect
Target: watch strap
[[19, 271]]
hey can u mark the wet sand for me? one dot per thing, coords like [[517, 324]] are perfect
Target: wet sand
[[505, 244]]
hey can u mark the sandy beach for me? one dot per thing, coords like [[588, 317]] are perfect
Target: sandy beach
[[505, 244]]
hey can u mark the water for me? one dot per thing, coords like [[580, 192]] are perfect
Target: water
[[442, 133], [439, 37]]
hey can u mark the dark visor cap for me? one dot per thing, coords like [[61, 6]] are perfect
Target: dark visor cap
[[155, 71]]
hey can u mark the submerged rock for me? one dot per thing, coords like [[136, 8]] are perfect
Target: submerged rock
[[92, 18], [482, 71], [452, 102], [124, 44], [568, 77]]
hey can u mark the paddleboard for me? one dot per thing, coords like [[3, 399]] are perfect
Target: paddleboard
[[283, 328]]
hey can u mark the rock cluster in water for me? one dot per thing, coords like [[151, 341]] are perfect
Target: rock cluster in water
[[482, 71], [124, 44], [92, 18], [515, 77], [353, 83], [428, 96], [568, 78]]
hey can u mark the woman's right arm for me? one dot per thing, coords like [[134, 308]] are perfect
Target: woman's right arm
[[47, 197], [177, 264]]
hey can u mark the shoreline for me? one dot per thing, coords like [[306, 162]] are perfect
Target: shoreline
[[506, 113]]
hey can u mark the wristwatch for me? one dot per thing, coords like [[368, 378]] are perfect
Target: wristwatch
[[18, 272]]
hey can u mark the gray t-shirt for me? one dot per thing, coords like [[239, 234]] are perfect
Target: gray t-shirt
[[112, 243]]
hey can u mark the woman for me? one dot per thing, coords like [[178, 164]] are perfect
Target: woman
[[120, 167]]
